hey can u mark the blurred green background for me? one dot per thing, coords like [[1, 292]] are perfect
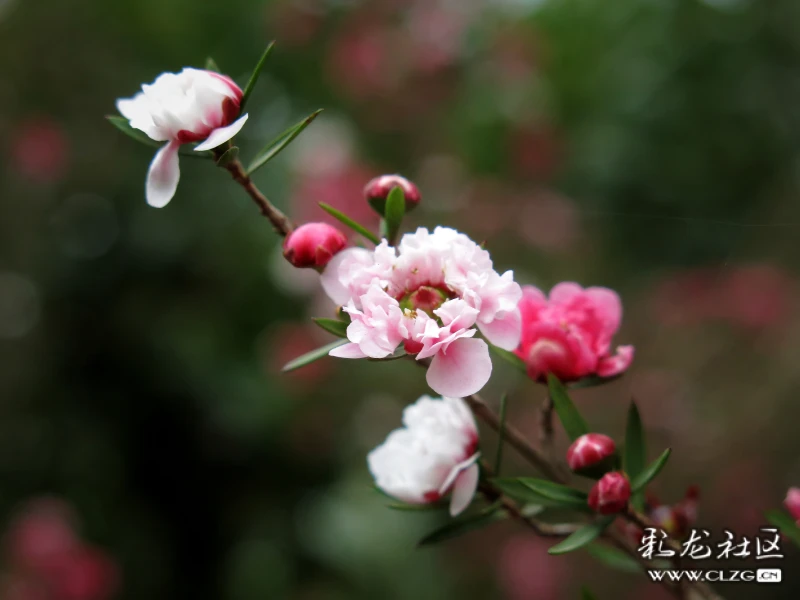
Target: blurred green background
[[646, 145]]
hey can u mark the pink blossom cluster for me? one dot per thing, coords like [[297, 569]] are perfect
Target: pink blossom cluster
[[431, 294]]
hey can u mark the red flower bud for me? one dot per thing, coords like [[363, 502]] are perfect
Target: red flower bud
[[792, 503], [592, 450], [313, 245], [377, 190], [611, 494]]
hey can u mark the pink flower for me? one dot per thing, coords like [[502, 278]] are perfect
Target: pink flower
[[570, 334], [434, 453], [590, 450], [377, 190], [313, 245], [611, 494], [432, 294], [792, 503], [180, 108]]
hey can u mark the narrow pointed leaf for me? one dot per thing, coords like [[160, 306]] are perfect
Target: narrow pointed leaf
[[314, 355], [230, 155], [785, 524], [395, 211], [122, 124], [498, 459], [211, 65], [251, 84], [568, 414], [463, 524], [511, 358], [344, 219], [649, 473], [583, 536], [277, 145], [530, 490], [334, 326], [635, 453], [613, 558]]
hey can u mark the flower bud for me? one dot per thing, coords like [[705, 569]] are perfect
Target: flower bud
[[792, 503], [377, 190], [592, 452], [611, 494], [313, 245]]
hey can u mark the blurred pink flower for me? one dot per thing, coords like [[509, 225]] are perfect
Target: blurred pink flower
[[527, 571], [287, 342], [536, 151], [40, 150], [569, 334], [546, 220], [792, 503], [48, 560]]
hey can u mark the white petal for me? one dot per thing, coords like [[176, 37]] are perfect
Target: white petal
[[503, 332], [222, 135], [456, 471], [347, 351], [464, 490], [463, 370], [163, 176]]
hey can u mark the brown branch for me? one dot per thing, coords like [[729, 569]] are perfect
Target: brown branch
[[279, 221]]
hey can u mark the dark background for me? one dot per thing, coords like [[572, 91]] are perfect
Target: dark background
[[646, 145]]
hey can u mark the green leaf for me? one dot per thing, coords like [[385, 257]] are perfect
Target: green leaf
[[613, 558], [785, 524], [510, 358], [254, 77], [334, 326], [211, 65], [314, 355], [592, 381], [395, 211], [399, 352], [583, 536], [343, 218], [498, 459], [464, 524], [230, 155], [542, 492], [586, 594], [570, 418], [122, 124], [277, 145], [649, 473], [635, 453]]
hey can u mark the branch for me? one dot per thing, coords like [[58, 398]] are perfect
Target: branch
[[279, 221]]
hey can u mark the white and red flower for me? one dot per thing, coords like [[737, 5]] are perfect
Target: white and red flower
[[590, 450], [569, 334], [432, 293], [433, 454], [181, 108], [611, 494]]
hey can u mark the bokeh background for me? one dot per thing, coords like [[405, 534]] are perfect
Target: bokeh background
[[647, 145]]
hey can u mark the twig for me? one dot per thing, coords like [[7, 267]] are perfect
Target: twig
[[279, 221]]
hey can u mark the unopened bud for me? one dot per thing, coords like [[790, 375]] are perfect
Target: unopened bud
[[611, 494], [593, 452], [377, 190], [313, 245], [792, 503]]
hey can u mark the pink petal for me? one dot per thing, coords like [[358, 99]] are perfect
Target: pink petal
[[565, 292], [347, 351], [163, 176], [504, 332], [464, 490], [614, 365], [608, 308], [462, 370], [222, 135]]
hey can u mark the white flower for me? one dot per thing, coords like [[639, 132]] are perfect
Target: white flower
[[435, 453], [432, 293], [181, 108]]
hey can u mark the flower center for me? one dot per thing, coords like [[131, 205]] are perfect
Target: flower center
[[425, 298]]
